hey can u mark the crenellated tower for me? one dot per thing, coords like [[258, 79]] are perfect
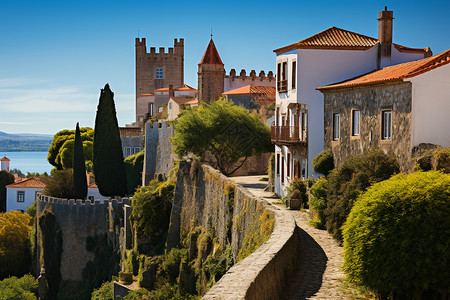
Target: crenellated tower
[[211, 75], [160, 69]]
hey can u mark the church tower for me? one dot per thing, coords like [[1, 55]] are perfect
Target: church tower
[[211, 75]]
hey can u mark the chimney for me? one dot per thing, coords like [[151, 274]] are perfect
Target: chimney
[[385, 18], [171, 93]]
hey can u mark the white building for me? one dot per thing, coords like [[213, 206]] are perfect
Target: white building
[[20, 195], [330, 56]]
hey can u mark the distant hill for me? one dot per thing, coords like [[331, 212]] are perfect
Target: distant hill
[[24, 142]]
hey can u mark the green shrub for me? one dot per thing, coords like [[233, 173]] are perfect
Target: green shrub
[[60, 184], [152, 205], [13, 288], [396, 238], [299, 185], [134, 165], [318, 203], [105, 292], [323, 163], [126, 277], [345, 184]]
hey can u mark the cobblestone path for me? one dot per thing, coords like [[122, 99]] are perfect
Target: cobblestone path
[[320, 272]]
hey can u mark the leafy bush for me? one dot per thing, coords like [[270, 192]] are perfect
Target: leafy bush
[[13, 288], [60, 184], [134, 165], [345, 184], [152, 205], [14, 243], [318, 203], [105, 292], [298, 185], [396, 238], [323, 163]]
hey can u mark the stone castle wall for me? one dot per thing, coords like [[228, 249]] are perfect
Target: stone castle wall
[[159, 157], [201, 199], [371, 101], [78, 220], [233, 81]]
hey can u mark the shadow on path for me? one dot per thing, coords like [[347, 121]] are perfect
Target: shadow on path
[[307, 280], [260, 186]]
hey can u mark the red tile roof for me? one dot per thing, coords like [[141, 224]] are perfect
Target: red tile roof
[[4, 159], [32, 182], [182, 88], [397, 72], [211, 56], [182, 99], [193, 102], [341, 39], [253, 89], [146, 95]]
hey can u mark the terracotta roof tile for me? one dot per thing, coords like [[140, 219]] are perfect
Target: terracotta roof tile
[[260, 93], [32, 182], [4, 159], [211, 56], [146, 95], [182, 99], [183, 88], [397, 72], [337, 38]]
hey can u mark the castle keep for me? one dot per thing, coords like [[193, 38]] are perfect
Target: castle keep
[[157, 70]]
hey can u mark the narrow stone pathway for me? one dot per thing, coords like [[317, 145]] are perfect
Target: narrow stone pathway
[[320, 274]]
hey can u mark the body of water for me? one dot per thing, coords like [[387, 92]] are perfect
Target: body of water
[[28, 161]]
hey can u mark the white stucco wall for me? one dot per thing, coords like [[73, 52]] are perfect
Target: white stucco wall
[[11, 198], [173, 109], [398, 57], [430, 116], [93, 192]]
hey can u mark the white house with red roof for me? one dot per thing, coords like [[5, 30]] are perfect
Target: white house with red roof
[[399, 109], [20, 195], [330, 56], [4, 164]]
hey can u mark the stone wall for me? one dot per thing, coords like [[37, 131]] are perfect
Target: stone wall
[[158, 157], [77, 221], [202, 199], [371, 101]]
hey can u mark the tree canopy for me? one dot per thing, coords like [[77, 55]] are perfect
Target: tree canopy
[[5, 179], [228, 132], [14, 243], [109, 169], [60, 153]]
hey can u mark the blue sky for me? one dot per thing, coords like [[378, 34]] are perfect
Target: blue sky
[[56, 55]]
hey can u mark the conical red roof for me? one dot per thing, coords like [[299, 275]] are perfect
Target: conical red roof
[[211, 56]]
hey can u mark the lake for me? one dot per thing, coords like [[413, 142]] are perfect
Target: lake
[[28, 161]]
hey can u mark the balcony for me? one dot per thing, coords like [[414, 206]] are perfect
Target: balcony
[[282, 86], [289, 135]]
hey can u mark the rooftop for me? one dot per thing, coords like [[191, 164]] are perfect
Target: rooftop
[[183, 99], [211, 56], [395, 73], [183, 88], [32, 182], [4, 159], [253, 89], [341, 39]]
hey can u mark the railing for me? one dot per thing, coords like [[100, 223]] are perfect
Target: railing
[[288, 135], [282, 86]]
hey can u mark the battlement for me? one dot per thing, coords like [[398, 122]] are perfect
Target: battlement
[[78, 202], [178, 45], [243, 75]]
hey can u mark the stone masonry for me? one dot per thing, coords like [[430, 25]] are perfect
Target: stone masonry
[[371, 101]]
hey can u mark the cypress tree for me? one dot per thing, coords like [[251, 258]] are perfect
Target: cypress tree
[[109, 168], [79, 168]]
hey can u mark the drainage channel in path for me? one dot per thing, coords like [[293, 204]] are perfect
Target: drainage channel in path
[[320, 274]]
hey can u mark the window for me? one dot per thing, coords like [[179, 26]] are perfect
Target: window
[[336, 120], [159, 74], [288, 164], [282, 168], [20, 196], [386, 124], [355, 122], [150, 109], [294, 71], [137, 150], [282, 77], [127, 151], [277, 163], [170, 105]]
